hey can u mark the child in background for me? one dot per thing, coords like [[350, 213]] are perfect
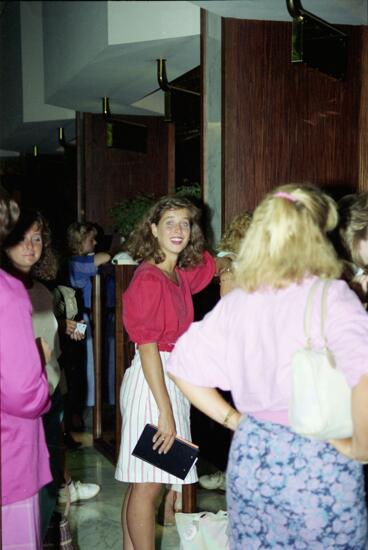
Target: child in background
[[82, 267]]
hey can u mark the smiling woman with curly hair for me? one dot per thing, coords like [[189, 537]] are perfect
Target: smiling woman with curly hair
[[158, 308]]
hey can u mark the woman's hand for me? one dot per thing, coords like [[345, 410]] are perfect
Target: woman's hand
[[227, 282], [74, 333], [68, 327], [346, 448], [165, 436], [343, 446]]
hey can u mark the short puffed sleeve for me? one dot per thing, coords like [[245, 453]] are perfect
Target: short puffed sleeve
[[199, 277], [143, 313]]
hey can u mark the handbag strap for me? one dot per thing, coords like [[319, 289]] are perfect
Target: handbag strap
[[308, 310]]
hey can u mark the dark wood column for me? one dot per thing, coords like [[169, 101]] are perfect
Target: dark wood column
[[288, 123]]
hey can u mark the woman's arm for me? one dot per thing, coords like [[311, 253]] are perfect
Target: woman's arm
[[210, 402], [153, 373], [101, 258], [356, 447]]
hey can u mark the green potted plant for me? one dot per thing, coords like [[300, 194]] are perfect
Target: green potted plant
[[127, 213]]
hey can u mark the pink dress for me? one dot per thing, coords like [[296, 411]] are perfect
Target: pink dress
[[24, 398], [155, 310]]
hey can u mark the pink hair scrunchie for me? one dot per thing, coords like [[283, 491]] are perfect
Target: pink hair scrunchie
[[287, 196]]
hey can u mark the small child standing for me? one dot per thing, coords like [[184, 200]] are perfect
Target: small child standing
[[82, 267]]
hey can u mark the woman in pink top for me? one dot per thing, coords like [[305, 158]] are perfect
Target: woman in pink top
[[284, 491], [24, 398], [157, 310]]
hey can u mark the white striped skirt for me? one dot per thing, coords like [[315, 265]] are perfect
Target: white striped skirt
[[138, 407]]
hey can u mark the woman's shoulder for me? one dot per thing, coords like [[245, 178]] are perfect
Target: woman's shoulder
[[82, 258], [11, 289], [147, 278], [40, 288], [337, 287], [40, 295], [147, 272]]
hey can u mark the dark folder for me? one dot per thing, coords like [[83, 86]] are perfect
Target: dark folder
[[178, 461]]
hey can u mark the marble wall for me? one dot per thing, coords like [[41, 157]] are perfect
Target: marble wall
[[211, 158]]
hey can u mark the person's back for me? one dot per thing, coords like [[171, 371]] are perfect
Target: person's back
[[283, 490], [260, 331]]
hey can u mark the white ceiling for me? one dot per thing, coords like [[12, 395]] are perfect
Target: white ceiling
[[65, 56]]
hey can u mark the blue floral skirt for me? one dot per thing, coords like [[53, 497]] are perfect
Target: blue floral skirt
[[286, 491]]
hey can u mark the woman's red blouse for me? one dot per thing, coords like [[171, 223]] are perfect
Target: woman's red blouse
[[155, 309]]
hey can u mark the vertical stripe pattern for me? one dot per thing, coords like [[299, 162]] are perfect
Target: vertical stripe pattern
[[138, 407]]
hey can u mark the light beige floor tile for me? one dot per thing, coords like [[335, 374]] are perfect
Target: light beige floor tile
[[95, 523]]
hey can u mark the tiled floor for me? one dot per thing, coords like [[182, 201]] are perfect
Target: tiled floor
[[96, 523]]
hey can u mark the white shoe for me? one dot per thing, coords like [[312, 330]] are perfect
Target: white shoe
[[78, 491], [216, 481]]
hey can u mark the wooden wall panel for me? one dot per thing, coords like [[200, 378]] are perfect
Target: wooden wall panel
[[112, 175], [284, 122], [363, 114]]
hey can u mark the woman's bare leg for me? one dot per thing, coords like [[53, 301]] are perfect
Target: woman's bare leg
[[140, 515], [166, 515], [127, 543]]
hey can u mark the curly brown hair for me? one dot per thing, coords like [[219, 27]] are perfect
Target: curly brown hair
[[234, 234], [46, 267], [9, 213], [142, 245]]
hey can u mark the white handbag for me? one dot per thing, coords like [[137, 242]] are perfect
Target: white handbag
[[320, 404], [203, 530]]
